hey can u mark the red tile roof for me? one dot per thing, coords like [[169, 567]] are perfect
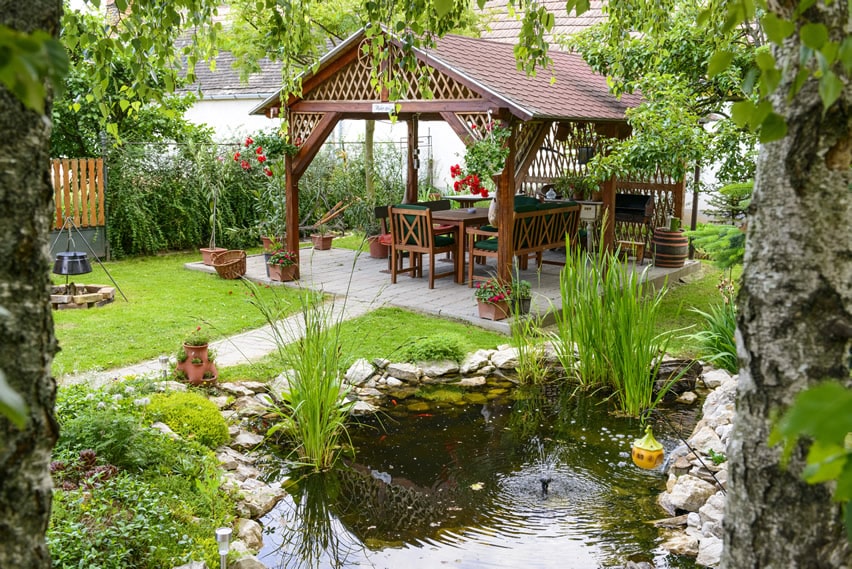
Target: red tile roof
[[577, 92], [502, 27]]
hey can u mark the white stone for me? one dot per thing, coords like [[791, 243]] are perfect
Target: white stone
[[693, 520], [245, 471], [259, 498], [381, 363], [438, 368], [713, 510], [193, 565], [362, 408], [393, 382], [247, 440], [280, 386], [476, 381], [709, 552], [404, 371], [236, 389], [705, 440], [724, 433], [505, 359], [255, 386], [690, 493], [687, 398], [681, 544], [230, 459], [359, 372], [249, 407], [166, 430], [251, 533], [249, 562], [475, 362], [713, 378], [170, 386], [220, 402]]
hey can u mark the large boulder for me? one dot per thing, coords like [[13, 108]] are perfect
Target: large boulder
[[690, 492]]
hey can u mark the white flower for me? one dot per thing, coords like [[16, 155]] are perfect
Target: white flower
[[129, 389], [101, 405], [142, 401]]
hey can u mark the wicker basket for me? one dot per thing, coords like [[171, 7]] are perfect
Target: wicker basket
[[230, 264]]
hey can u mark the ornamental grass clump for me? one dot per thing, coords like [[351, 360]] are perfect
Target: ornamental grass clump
[[315, 409], [606, 329], [716, 341]]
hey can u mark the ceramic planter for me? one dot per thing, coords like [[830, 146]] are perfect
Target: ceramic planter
[[493, 310], [195, 371], [377, 249], [322, 242], [281, 273], [208, 252]]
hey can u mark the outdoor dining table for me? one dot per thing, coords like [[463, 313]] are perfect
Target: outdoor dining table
[[461, 218], [467, 200]]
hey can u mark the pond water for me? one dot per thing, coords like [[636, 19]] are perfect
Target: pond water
[[495, 478]]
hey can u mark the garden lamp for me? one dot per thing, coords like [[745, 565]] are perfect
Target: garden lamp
[[164, 366], [223, 538]]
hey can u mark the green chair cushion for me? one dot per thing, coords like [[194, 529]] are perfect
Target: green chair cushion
[[522, 200], [444, 240], [490, 228], [489, 244]]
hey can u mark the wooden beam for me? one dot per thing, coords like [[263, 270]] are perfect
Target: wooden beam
[[411, 181], [312, 145], [291, 192], [505, 204], [457, 125], [366, 107]]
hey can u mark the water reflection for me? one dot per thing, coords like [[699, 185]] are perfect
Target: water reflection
[[532, 480]]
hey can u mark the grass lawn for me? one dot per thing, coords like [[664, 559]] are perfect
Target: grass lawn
[[166, 303]]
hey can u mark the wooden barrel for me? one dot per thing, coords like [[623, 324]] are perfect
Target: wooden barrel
[[670, 248]]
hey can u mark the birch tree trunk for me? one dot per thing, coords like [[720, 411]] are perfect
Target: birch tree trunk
[[27, 343], [795, 321]]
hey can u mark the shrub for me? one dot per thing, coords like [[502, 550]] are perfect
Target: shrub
[[716, 341], [441, 347], [191, 416]]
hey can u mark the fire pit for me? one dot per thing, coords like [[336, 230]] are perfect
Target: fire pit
[[80, 296]]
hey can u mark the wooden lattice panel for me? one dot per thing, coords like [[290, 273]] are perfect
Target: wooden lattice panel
[[664, 198], [302, 125], [351, 83], [471, 119], [429, 83]]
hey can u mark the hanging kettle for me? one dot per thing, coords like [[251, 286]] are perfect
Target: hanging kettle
[[72, 263]]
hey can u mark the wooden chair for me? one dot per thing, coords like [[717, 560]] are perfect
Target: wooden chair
[[412, 232]]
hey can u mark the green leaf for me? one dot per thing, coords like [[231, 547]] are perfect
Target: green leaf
[[773, 128], [825, 462], [765, 60], [777, 29], [823, 412], [845, 54], [443, 7], [798, 81], [843, 490], [12, 405], [814, 35], [830, 88], [719, 62], [741, 112], [769, 80]]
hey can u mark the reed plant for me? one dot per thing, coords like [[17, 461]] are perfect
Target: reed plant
[[315, 408], [606, 329], [716, 341], [527, 339]]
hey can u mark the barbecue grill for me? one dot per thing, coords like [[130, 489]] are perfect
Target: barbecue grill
[[634, 208]]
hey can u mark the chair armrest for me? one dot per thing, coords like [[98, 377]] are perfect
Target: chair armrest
[[483, 232]]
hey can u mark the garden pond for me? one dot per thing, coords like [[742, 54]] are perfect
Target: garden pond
[[499, 477]]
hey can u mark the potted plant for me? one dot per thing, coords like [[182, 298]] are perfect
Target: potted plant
[[211, 175], [282, 265], [194, 363], [483, 159], [492, 299], [520, 296], [575, 186], [322, 238]]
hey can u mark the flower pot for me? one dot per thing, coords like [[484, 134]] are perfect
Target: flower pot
[[267, 242], [377, 249], [281, 273], [195, 372], [266, 256], [493, 310], [521, 306], [208, 252], [322, 242]]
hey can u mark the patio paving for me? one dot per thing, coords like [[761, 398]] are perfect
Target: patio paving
[[364, 280]]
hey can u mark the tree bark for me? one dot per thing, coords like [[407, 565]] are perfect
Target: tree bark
[[28, 343], [795, 321]]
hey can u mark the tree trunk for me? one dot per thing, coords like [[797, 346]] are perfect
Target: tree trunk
[[795, 322], [28, 344]]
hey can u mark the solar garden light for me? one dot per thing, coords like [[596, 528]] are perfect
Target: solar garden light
[[223, 538], [164, 366]]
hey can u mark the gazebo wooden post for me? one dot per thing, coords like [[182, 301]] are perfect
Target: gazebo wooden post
[[291, 191], [505, 204], [411, 182]]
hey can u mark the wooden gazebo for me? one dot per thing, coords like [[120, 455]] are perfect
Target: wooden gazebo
[[557, 117]]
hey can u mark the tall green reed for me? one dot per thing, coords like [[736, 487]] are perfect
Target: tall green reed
[[527, 340], [716, 342], [605, 330], [315, 402]]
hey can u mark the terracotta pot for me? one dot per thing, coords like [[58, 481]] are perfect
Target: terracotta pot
[[377, 249], [267, 242], [208, 252], [195, 372], [282, 274], [493, 310], [322, 242]]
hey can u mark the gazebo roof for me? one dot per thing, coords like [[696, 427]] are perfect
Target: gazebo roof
[[489, 70]]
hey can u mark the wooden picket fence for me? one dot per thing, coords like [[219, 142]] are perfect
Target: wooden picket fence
[[78, 191]]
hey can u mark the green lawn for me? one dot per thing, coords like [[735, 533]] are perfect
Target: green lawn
[[166, 302]]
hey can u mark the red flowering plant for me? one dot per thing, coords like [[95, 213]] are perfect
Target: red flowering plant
[[483, 158], [252, 155], [492, 291], [282, 258]]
